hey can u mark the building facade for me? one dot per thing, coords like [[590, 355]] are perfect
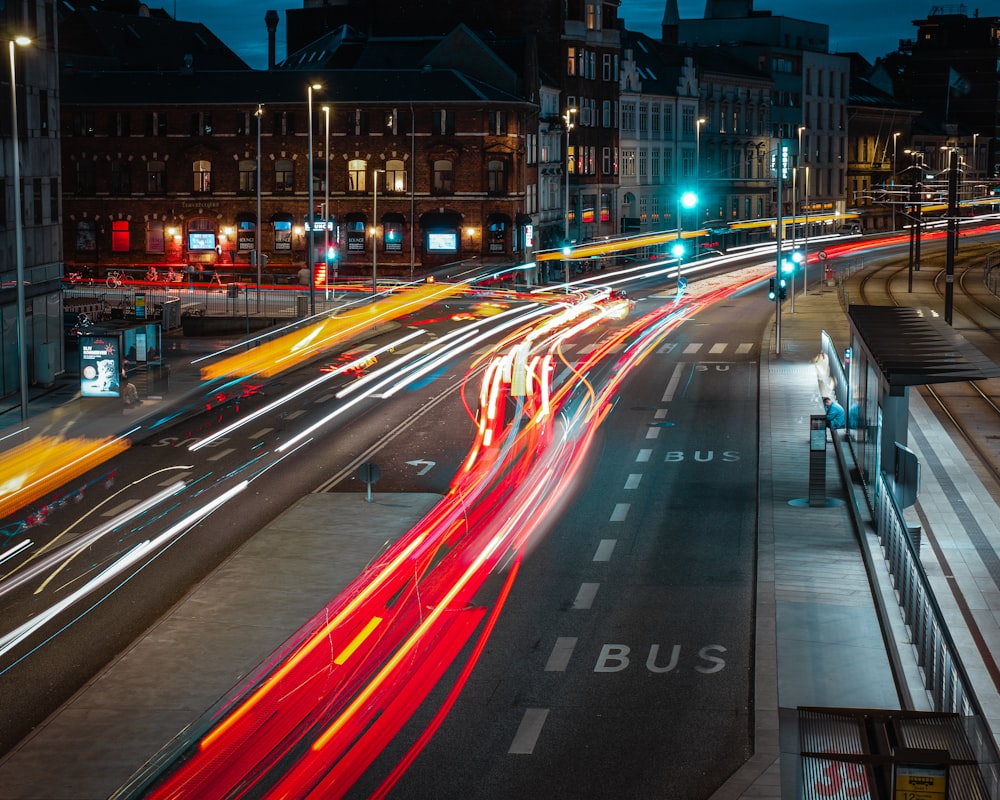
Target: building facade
[[37, 200]]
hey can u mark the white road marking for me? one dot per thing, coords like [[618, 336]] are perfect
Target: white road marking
[[605, 549], [668, 395], [174, 477], [718, 348], [122, 507], [694, 347], [585, 597], [262, 432], [325, 397], [667, 347], [221, 454], [644, 455], [561, 653], [620, 512], [744, 348], [296, 414], [653, 433], [632, 481], [528, 731], [660, 413]]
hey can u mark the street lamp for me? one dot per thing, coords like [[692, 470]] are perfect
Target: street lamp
[[568, 125], [22, 323], [895, 138], [256, 228], [312, 212], [326, 207], [374, 228], [697, 165]]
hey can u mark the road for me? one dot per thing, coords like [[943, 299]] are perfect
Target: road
[[621, 665]]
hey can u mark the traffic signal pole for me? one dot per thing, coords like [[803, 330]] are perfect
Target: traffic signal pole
[[779, 166]]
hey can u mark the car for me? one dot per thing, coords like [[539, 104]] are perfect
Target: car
[[851, 229]]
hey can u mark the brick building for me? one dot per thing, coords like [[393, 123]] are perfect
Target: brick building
[[161, 167]]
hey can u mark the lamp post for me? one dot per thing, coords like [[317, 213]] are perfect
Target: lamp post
[[256, 228], [326, 206], [895, 141], [374, 230], [805, 238], [568, 125], [312, 212], [697, 166], [22, 322]]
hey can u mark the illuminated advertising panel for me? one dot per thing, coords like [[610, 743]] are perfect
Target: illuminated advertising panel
[[100, 365], [442, 241]]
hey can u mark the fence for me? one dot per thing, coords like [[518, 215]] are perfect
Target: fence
[[992, 276], [944, 677]]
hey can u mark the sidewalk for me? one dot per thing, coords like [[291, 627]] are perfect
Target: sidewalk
[[819, 641]]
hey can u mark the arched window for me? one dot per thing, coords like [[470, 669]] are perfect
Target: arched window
[[202, 176], [443, 177], [395, 176], [155, 241], [357, 170], [121, 242]]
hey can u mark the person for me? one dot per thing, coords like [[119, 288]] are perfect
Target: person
[[835, 417]]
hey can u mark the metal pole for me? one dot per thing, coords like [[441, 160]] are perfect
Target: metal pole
[[312, 215], [22, 322], [949, 279], [805, 238], [795, 213], [374, 230], [779, 166], [568, 120], [326, 207], [256, 227]]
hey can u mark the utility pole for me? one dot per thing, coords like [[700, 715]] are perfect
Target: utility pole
[[949, 267]]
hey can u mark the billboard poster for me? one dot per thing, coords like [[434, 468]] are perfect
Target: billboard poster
[[100, 365]]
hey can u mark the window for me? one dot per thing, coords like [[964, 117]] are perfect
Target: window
[[155, 241], [119, 124], [628, 117], [248, 176], [121, 178], [643, 120], [391, 122], [156, 123], [357, 122], [43, 111], [36, 201], [606, 67], [654, 165], [83, 123], [628, 164], [120, 240], [282, 234], [688, 159], [284, 176], [643, 165], [86, 236], [605, 160], [395, 176], [498, 123], [283, 123], [444, 123], [86, 182], [572, 54], [156, 177], [202, 171], [606, 121], [443, 177], [201, 123], [53, 201], [497, 177], [687, 120], [593, 16], [357, 171]]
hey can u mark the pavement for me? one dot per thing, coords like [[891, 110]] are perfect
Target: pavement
[[819, 640]]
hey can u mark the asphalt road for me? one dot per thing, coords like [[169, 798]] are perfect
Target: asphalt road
[[620, 666]]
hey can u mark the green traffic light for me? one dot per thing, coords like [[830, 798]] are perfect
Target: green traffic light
[[677, 250], [689, 199]]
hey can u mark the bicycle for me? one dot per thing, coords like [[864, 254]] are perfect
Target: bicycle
[[116, 279]]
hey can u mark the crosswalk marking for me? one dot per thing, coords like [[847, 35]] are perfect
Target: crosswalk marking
[[561, 653], [605, 549], [718, 348], [528, 731], [585, 597]]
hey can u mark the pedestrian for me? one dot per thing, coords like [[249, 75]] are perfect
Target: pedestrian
[[835, 417]]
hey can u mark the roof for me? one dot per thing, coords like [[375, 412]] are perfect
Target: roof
[[361, 87], [915, 347], [97, 39]]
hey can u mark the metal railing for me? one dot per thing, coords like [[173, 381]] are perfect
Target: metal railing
[[992, 274], [944, 677]]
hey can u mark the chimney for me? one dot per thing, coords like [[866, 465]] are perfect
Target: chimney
[[271, 20]]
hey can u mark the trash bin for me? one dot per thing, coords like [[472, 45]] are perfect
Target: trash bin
[[301, 306]]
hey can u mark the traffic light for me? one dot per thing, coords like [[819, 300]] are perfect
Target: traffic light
[[772, 292], [777, 288], [782, 284], [677, 249]]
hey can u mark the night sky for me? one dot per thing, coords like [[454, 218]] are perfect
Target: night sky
[[871, 27]]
